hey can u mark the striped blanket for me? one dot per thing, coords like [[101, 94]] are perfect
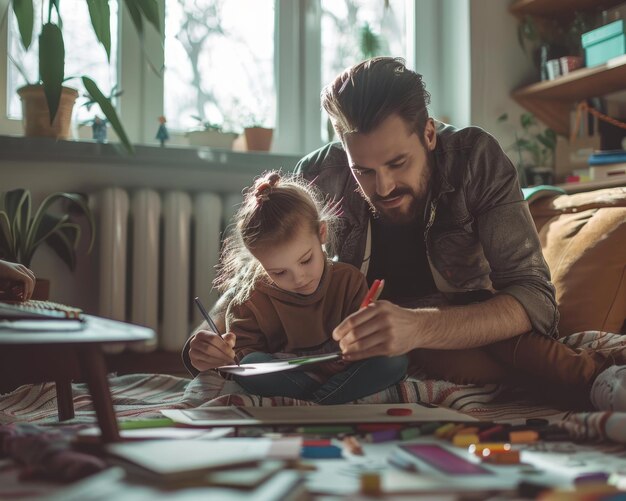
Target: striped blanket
[[144, 395]]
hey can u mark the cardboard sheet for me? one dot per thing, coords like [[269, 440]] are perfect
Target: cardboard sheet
[[315, 414]]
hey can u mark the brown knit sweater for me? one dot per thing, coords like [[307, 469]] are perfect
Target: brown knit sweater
[[273, 320]]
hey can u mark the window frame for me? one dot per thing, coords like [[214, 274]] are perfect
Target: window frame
[[297, 67]]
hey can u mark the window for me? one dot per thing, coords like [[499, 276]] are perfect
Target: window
[[83, 56], [354, 30], [219, 63], [228, 62]]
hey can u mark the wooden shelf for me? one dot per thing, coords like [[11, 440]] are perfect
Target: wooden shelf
[[551, 101], [558, 7]]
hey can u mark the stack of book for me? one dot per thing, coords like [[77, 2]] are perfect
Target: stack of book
[[605, 165]]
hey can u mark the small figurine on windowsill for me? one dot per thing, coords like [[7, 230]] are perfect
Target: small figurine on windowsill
[[162, 134], [99, 129]]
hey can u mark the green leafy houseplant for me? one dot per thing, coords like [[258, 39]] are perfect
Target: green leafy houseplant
[[23, 229], [535, 146], [52, 48]]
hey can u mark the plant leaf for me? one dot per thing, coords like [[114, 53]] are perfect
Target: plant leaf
[[527, 120], [109, 111], [51, 65], [150, 9], [100, 15], [43, 217], [21, 223], [55, 4], [16, 204], [46, 225], [25, 16], [135, 15], [60, 244], [7, 239], [11, 201], [547, 141]]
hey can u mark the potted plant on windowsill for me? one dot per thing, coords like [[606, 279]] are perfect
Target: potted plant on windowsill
[[258, 136], [210, 134], [23, 230], [49, 97]]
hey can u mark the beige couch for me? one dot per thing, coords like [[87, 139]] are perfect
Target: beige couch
[[584, 242]]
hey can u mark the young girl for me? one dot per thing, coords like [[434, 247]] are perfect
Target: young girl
[[291, 296]]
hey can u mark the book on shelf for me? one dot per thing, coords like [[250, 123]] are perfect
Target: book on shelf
[[607, 157], [607, 171]]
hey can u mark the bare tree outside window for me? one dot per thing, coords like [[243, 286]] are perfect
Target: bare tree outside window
[[219, 63], [83, 56], [354, 30]]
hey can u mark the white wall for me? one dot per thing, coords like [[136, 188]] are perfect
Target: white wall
[[498, 65], [468, 53]]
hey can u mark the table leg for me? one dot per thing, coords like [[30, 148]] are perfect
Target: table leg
[[93, 368], [65, 402]]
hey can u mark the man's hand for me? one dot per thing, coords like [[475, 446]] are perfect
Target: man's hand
[[386, 329], [380, 329], [208, 350]]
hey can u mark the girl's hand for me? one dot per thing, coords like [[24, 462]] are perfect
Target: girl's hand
[[208, 350], [14, 272]]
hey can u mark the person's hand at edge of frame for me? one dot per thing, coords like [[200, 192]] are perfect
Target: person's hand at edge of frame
[[17, 282]]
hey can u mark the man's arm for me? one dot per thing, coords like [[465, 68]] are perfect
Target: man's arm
[[387, 329], [508, 235]]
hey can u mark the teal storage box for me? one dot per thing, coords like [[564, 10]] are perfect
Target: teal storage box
[[604, 43]]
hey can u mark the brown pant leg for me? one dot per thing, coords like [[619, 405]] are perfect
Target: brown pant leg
[[550, 369], [473, 366]]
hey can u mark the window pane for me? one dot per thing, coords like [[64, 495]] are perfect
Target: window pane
[[353, 30], [219, 63], [84, 55]]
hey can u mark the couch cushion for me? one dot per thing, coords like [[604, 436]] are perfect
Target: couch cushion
[[584, 242]]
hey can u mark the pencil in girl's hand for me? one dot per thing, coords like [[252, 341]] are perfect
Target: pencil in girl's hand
[[208, 319], [206, 316], [369, 297]]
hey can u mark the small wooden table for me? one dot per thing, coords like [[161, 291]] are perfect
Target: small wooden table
[[35, 356]]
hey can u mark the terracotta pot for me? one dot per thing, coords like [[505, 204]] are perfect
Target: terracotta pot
[[36, 115], [258, 138], [41, 292]]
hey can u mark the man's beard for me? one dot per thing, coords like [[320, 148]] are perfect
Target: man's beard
[[415, 211]]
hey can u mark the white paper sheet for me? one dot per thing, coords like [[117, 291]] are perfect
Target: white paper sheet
[[279, 365]]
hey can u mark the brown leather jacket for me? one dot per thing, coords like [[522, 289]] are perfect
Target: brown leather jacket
[[479, 233]]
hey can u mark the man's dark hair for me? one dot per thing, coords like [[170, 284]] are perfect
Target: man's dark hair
[[366, 94]]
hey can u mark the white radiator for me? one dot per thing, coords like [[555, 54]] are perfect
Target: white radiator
[[157, 251]]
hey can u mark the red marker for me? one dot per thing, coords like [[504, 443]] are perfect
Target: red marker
[[373, 293]]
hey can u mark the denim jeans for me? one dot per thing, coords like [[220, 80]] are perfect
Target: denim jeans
[[360, 379]]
